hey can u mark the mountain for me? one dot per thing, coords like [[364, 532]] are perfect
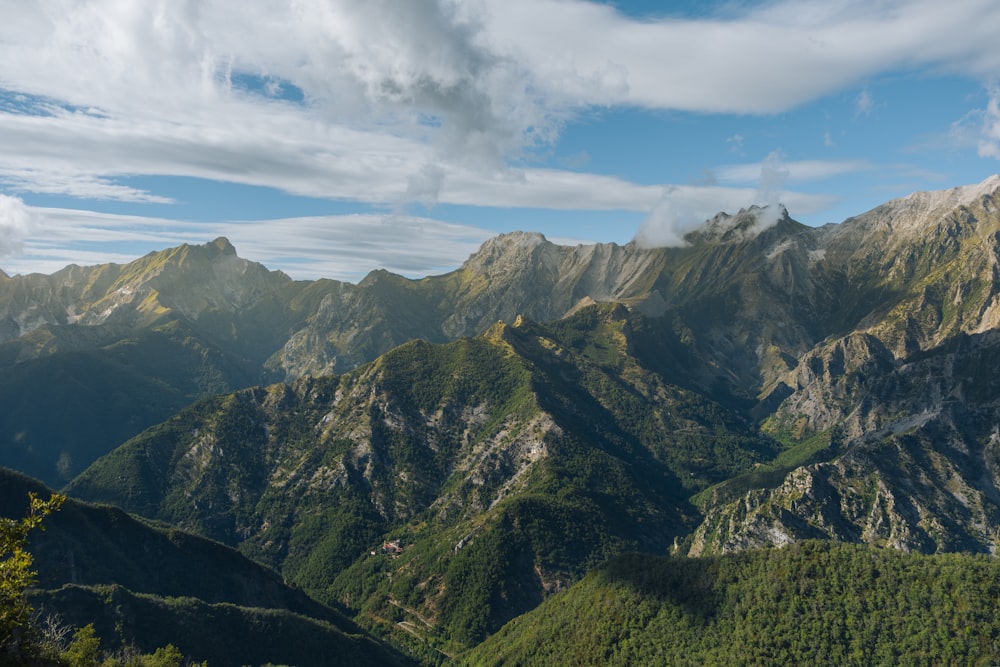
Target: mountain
[[505, 466], [168, 586], [906, 393], [192, 321], [120, 348], [439, 456]]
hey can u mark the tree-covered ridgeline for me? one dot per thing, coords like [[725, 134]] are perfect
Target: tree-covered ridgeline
[[807, 603]]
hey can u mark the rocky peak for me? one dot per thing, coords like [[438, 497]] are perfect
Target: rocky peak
[[910, 219], [746, 224], [223, 245], [505, 252]]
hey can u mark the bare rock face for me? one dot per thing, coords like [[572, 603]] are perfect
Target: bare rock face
[[929, 488]]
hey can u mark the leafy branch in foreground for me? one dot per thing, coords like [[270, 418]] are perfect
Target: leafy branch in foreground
[[19, 637]]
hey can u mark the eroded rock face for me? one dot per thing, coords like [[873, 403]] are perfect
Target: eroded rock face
[[930, 489]]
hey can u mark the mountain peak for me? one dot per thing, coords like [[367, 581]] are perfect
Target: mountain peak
[[504, 251], [518, 239], [917, 210], [223, 244], [745, 224], [959, 196]]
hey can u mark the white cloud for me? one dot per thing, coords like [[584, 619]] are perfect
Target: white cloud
[[413, 98], [736, 143], [796, 170], [978, 130], [16, 223], [864, 103], [729, 64], [773, 175], [682, 209], [989, 140]]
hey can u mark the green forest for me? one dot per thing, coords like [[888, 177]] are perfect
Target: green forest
[[809, 603]]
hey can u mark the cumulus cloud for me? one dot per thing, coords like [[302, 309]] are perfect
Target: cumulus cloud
[[16, 224], [424, 187], [386, 68], [376, 91], [727, 63]]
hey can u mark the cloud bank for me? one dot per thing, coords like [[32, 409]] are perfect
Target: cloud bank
[[391, 102], [354, 101]]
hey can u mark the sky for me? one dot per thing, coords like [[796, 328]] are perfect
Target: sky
[[329, 138]]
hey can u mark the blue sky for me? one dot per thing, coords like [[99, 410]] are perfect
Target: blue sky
[[328, 138]]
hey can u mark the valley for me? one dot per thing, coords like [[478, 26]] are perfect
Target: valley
[[619, 439]]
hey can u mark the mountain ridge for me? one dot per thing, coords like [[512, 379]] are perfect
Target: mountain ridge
[[441, 455]]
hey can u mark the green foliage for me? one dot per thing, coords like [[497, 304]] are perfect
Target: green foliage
[[324, 544], [84, 650], [810, 603], [509, 464], [19, 636], [818, 447], [166, 656]]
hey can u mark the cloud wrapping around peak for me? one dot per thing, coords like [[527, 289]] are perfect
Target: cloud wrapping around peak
[[684, 209]]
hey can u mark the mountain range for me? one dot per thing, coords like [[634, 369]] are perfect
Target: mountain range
[[437, 457]]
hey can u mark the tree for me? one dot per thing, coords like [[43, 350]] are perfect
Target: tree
[[19, 636], [84, 650]]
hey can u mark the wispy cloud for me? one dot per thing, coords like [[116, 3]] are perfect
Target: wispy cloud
[[727, 64], [864, 103], [430, 101], [795, 170], [736, 143], [339, 247]]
